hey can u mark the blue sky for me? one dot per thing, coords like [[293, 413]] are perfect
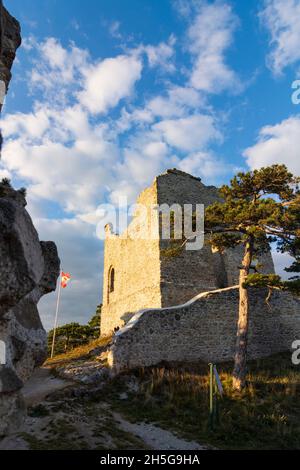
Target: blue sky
[[107, 94]]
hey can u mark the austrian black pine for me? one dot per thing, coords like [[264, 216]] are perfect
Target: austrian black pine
[[260, 207]]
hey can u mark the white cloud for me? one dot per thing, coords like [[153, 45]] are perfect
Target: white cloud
[[97, 86], [56, 67], [161, 55], [209, 36], [179, 101], [144, 156], [109, 81], [114, 30], [62, 152], [70, 162], [72, 158], [190, 133], [125, 188], [277, 144], [33, 125], [4, 173], [175, 102], [183, 7], [281, 18], [54, 54], [206, 165]]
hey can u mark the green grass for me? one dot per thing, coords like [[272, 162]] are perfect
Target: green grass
[[120, 439], [62, 435], [38, 411], [264, 416], [81, 353], [66, 433]]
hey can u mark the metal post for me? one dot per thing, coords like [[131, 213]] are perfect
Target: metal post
[[56, 316], [211, 397], [217, 414]]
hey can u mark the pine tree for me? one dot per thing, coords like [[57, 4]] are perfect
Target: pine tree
[[94, 322], [259, 207]]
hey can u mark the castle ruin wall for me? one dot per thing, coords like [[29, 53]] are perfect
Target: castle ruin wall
[[204, 329]]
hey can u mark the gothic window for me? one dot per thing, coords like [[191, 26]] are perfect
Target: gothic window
[[111, 282]]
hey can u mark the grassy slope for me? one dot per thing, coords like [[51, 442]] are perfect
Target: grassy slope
[[265, 416], [80, 353]]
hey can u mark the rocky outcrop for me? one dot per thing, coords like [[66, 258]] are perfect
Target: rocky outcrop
[[10, 40], [28, 270]]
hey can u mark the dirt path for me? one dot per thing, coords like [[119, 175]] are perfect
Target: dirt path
[[62, 423], [41, 384], [157, 438]]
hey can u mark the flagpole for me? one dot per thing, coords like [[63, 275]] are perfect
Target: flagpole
[[56, 315]]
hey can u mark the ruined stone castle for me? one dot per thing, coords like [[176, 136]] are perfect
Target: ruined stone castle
[[137, 272], [183, 307]]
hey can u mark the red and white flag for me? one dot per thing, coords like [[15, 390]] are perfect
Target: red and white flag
[[65, 279]]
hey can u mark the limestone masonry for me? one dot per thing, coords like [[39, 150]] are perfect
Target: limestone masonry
[[183, 307], [144, 277], [205, 329]]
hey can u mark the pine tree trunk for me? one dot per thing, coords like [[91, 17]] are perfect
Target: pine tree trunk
[[239, 372]]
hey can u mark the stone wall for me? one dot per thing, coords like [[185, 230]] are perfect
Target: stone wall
[[191, 272], [144, 276], [205, 329], [137, 272]]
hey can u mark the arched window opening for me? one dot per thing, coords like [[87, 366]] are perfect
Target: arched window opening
[[111, 282]]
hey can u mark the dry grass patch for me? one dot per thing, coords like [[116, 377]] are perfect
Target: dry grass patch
[[265, 416], [83, 352]]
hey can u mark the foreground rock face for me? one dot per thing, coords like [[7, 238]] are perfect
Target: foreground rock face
[[10, 40], [28, 270], [205, 329]]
